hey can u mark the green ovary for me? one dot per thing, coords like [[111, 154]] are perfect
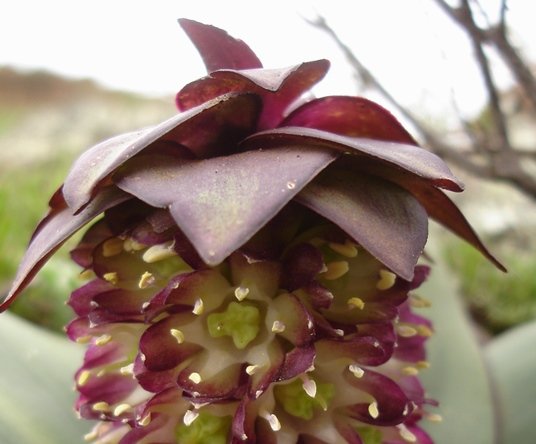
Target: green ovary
[[206, 429], [241, 321], [298, 403]]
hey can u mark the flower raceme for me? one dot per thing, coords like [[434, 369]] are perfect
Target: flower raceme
[[251, 277]]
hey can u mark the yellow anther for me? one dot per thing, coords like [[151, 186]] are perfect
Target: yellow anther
[[386, 281], [87, 274], [159, 252], [278, 327], [273, 421], [348, 249], [198, 307], [405, 434], [83, 339], [189, 417], [422, 364], [417, 301], [127, 370], [177, 334], [373, 410], [357, 371], [335, 270], [309, 386], [147, 279], [122, 408], [132, 245], [144, 422], [111, 277], [410, 371], [83, 377], [91, 436], [195, 377], [356, 303], [103, 339], [241, 293], [112, 247], [406, 331], [252, 369], [101, 406], [424, 330], [433, 417]]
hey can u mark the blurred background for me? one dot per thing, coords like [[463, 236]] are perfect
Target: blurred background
[[458, 74]]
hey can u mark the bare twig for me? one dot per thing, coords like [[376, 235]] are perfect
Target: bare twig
[[493, 157], [464, 17]]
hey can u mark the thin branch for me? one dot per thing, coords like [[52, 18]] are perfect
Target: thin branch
[[484, 162], [368, 78], [463, 16]]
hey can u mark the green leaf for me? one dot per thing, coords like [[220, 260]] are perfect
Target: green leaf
[[36, 396], [457, 377], [512, 364]]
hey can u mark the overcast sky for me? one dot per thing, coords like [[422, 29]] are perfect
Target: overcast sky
[[137, 45]]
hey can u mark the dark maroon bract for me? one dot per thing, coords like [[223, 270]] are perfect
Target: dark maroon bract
[[251, 278]]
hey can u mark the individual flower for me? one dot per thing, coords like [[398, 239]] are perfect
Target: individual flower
[[251, 279]]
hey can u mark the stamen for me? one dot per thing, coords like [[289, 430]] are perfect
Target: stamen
[[103, 339], [112, 247], [189, 417], [310, 387], [147, 279], [87, 274], [91, 436], [406, 331], [159, 252], [335, 270], [144, 422], [356, 303], [357, 371], [417, 301], [278, 327], [347, 249], [195, 377], [198, 307], [405, 434], [273, 420], [422, 364], [252, 369], [339, 332], [434, 417], [122, 408], [83, 339], [111, 277], [241, 293], [386, 281], [410, 371], [131, 244], [373, 410], [101, 406], [258, 393], [127, 370], [83, 377], [177, 334], [424, 330]]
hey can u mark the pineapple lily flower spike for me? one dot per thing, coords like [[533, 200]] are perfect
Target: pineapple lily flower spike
[[250, 279]]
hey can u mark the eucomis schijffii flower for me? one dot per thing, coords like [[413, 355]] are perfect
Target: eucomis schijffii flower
[[252, 263]]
